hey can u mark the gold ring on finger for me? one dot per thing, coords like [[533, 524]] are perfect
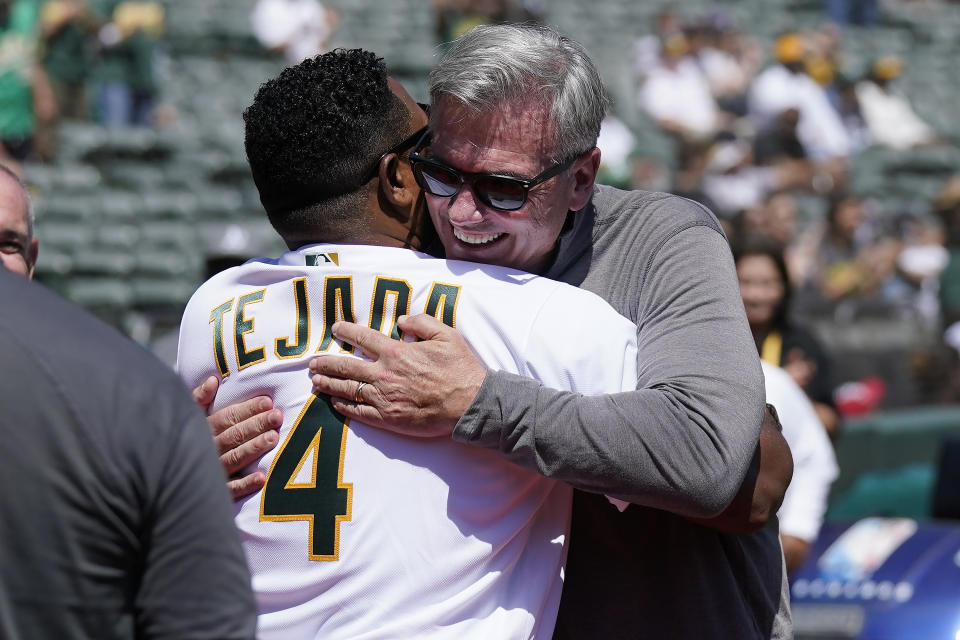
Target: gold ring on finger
[[356, 394]]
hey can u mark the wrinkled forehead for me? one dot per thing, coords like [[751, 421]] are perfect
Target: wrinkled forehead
[[523, 126]]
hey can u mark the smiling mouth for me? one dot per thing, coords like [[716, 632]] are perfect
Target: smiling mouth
[[476, 238]]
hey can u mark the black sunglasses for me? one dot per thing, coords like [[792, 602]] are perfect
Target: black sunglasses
[[504, 193], [401, 146]]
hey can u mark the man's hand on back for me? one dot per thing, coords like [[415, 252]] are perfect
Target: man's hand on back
[[243, 432], [412, 388]]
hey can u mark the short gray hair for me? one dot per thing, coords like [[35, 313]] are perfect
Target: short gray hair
[[494, 64]]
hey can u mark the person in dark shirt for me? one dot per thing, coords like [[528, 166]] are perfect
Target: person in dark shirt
[[115, 519]]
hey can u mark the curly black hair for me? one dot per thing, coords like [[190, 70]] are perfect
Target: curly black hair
[[313, 132]]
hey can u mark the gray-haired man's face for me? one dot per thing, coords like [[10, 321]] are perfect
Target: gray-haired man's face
[[18, 251], [509, 141]]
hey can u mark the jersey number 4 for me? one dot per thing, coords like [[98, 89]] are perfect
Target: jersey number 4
[[324, 500]]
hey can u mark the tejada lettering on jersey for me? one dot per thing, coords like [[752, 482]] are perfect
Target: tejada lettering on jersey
[[389, 294], [313, 259]]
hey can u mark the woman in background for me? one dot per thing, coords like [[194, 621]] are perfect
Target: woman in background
[[766, 291]]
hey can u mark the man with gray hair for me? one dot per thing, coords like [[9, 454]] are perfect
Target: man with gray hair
[[18, 244], [509, 175]]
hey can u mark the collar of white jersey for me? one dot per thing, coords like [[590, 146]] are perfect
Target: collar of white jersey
[[345, 255]]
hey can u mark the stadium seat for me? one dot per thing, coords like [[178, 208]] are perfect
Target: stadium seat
[[159, 292], [101, 261], [100, 294], [167, 264], [901, 493]]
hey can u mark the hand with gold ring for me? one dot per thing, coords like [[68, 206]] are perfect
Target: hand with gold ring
[[356, 394], [417, 388]]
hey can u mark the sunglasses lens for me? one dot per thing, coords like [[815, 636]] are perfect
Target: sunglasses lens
[[437, 181], [498, 193]]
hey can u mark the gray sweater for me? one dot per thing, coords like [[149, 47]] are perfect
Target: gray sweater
[[677, 446]]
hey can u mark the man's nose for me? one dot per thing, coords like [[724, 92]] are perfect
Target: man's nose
[[463, 207]]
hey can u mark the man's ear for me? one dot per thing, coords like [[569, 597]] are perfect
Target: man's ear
[[397, 185], [584, 175]]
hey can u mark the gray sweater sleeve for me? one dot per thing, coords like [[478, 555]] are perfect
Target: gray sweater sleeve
[[682, 441]]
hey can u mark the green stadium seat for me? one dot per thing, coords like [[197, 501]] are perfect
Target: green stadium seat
[[53, 262], [135, 176], [55, 234], [100, 293], [119, 206], [102, 261], [901, 493], [62, 207], [152, 262], [118, 236], [159, 292], [169, 205], [167, 234]]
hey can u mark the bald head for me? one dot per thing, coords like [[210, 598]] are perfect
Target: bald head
[[18, 246]]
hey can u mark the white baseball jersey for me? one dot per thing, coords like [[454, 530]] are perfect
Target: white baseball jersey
[[360, 533]]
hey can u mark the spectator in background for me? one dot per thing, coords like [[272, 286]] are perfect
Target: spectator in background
[[814, 466], [766, 291], [116, 523], [778, 141], [18, 244], [890, 120], [125, 70], [729, 60], [647, 48], [732, 180], [778, 219], [782, 214], [737, 183], [784, 87], [677, 95], [453, 18], [65, 26], [843, 94], [854, 260], [25, 95], [297, 29], [862, 13], [946, 205], [920, 264], [823, 63]]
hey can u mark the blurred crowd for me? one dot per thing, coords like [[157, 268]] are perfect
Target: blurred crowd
[[96, 60], [105, 61], [767, 136]]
